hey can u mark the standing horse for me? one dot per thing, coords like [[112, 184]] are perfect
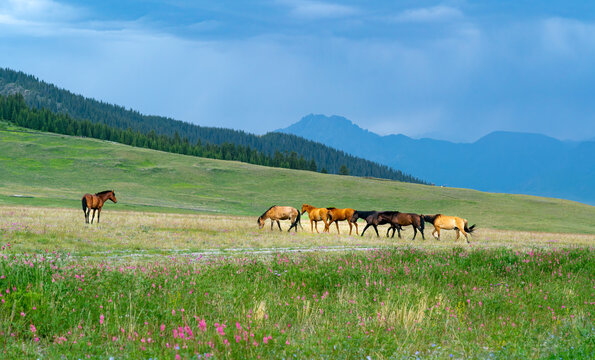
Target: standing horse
[[316, 215], [449, 223], [397, 219], [276, 213], [337, 215], [95, 202], [372, 219]]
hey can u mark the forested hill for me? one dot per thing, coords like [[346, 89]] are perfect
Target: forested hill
[[39, 94]]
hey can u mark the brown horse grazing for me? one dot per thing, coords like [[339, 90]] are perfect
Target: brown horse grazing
[[276, 213], [337, 215], [397, 219], [95, 202], [449, 223], [316, 215]]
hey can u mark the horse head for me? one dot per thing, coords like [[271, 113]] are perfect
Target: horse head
[[260, 222], [354, 217], [305, 207], [112, 196]]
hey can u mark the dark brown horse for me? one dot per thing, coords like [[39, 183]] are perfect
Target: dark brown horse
[[372, 219], [95, 202], [398, 219]]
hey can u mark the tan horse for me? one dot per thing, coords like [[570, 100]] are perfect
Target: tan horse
[[337, 215], [316, 215], [445, 222], [95, 202], [276, 213]]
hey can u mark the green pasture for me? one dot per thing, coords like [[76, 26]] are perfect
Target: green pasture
[[55, 171]]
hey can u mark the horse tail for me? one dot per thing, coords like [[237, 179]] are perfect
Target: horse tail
[[422, 223], [84, 201], [469, 229], [297, 221]]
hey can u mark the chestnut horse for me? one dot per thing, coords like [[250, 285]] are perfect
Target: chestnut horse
[[276, 213], [95, 202], [445, 222], [397, 219], [316, 215], [337, 215]]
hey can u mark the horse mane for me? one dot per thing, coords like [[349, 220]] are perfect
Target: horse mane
[[264, 213], [431, 218], [104, 192], [331, 208]]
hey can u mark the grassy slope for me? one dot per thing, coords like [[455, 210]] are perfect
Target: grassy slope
[[57, 170]]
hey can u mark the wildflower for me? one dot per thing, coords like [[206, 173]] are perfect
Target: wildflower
[[33, 329], [101, 318], [162, 327]]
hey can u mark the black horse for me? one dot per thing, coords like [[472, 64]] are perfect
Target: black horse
[[372, 219]]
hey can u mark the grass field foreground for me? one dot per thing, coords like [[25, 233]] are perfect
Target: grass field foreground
[[399, 303]]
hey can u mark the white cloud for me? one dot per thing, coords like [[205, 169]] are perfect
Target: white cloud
[[18, 11], [429, 14], [318, 9]]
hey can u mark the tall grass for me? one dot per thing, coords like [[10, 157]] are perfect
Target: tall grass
[[401, 303]]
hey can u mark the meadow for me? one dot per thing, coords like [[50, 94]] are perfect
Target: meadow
[[178, 268], [56, 170], [146, 285]]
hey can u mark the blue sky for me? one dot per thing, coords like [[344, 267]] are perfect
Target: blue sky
[[453, 70]]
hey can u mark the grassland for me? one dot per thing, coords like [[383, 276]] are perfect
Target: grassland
[[378, 304], [178, 269], [56, 170]]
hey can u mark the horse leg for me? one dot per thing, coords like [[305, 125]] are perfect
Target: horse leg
[[272, 223], [356, 229], [457, 231], [438, 231], [398, 232], [93, 217], [422, 233], [376, 228], [466, 237], [414, 232], [98, 214], [366, 228], [338, 232], [387, 231], [312, 225], [279, 225]]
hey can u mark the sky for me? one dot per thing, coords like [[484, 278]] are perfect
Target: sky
[[452, 70]]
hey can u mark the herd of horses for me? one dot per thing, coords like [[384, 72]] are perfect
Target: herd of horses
[[395, 219]]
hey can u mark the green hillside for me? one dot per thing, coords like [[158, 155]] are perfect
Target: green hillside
[[41, 95], [56, 170]]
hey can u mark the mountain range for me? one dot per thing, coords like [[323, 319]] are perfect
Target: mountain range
[[501, 161]]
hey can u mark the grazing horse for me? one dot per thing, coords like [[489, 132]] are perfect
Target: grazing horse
[[95, 202], [449, 223], [340, 215], [397, 219], [276, 213], [316, 215], [372, 219]]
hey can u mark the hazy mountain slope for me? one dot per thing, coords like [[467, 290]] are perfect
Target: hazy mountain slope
[[500, 162]]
